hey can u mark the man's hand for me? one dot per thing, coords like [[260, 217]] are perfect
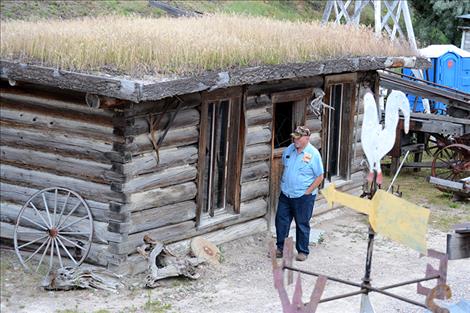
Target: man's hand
[[314, 185]]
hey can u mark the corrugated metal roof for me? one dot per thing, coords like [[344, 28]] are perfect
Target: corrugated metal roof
[[435, 51]]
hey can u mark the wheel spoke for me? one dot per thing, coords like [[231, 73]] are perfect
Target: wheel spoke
[[63, 208], [51, 259], [70, 213], [74, 222], [58, 252], [39, 213], [46, 207], [67, 251], [73, 233], [73, 243], [55, 205], [37, 250], [43, 254], [33, 222], [31, 242]]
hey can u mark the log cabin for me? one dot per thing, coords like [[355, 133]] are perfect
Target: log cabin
[[174, 158]]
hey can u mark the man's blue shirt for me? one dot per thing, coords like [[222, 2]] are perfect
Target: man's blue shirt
[[300, 170]]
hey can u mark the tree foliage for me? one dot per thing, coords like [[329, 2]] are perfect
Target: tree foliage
[[435, 21]]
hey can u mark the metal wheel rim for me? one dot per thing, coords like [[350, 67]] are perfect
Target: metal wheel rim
[[55, 229], [459, 164]]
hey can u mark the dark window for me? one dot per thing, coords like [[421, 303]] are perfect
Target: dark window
[[218, 141], [221, 142], [337, 128], [283, 124]]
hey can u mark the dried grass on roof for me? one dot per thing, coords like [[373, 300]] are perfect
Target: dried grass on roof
[[138, 45]]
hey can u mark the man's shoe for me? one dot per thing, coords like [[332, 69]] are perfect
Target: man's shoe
[[278, 254], [301, 257]]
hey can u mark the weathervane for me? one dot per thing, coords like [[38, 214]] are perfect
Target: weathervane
[[390, 216]]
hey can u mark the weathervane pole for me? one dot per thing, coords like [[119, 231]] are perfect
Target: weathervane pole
[[366, 305]]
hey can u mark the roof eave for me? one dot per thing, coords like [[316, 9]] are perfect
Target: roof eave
[[136, 91]]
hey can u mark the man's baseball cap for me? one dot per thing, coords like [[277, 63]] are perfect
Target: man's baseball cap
[[300, 131]]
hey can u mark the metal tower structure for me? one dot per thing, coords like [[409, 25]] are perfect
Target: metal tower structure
[[386, 19]]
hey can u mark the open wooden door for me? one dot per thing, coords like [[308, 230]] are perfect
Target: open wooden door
[[289, 110]]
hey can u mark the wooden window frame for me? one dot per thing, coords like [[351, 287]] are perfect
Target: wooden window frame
[[236, 148], [345, 154]]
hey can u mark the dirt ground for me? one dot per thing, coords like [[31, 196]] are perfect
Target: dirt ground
[[243, 282]]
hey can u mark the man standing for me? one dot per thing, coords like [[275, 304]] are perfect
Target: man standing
[[303, 173]]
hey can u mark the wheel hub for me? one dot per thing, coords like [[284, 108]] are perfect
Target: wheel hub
[[53, 232]]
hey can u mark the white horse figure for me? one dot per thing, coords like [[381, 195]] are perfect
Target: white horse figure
[[378, 140]]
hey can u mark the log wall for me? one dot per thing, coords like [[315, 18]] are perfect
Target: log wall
[[53, 138]]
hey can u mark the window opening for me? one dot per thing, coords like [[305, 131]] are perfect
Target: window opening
[[283, 124]]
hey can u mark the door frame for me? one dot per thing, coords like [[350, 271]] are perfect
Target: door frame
[[300, 98]]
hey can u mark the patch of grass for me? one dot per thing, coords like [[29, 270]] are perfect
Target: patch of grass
[[137, 45], [445, 212], [155, 306]]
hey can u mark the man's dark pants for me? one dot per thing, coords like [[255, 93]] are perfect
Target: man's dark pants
[[300, 209]]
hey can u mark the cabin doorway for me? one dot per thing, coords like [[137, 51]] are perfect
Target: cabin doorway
[[289, 110]]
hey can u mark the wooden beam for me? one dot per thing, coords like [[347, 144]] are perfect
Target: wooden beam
[[57, 164], [160, 196], [162, 216], [38, 179], [137, 91], [21, 194], [60, 143], [147, 162], [162, 178]]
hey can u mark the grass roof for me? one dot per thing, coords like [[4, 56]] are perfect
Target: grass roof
[[148, 46]]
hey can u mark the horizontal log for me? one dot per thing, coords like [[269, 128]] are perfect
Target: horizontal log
[[36, 179], [137, 264], [147, 163], [162, 216], [165, 234], [141, 125], [219, 237], [60, 143], [258, 134], [98, 255], [184, 230], [190, 100], [160, 197], [314, 124], [285, 85], [258, 117], [58, 164], [49, 100], [159, 179], [254, 189], [9, 213], [21, 194], [142, 143], [255, 171], [258, 152], [48, 122], [256, 102]]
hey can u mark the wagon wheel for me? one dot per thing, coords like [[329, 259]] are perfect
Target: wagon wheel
[[435, 142], [451, 163], [55, 223]]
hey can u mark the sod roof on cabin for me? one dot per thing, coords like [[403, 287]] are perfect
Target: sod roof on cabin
[[220, 50]]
